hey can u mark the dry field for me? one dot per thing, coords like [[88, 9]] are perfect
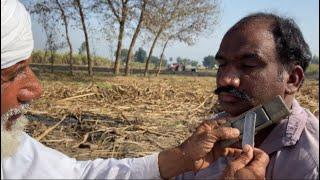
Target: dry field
[[126, 116]]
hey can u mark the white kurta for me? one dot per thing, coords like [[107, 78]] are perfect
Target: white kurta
[[33, 160]]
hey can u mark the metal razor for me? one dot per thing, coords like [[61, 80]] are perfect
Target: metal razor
[[266, 114]]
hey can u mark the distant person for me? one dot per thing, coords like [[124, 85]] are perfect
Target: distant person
[[262, 56], [22, 157]]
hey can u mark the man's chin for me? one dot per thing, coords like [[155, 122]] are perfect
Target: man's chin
[[234, 109], [10, 138]]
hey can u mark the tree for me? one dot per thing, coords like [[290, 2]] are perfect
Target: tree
[[184, 61], [51, 13], [208, 61], [63, 9], [140, 55], [44, 12], [154, 60], [124, 55], [194, 63], [82, 48], [180, 20], [120, 11], [79, 7], [315, 59], [161, 57], [159, 16], [142, 8], [179, 59], [198, 18]]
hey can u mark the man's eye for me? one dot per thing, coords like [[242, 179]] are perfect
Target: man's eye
[[12, 76], [249, 65]]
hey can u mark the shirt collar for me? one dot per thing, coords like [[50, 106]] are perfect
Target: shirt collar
[[288, 131]]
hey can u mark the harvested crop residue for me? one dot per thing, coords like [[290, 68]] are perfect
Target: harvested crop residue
[[126, 116]]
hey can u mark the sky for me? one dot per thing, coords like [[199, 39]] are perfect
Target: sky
[[305, 14]]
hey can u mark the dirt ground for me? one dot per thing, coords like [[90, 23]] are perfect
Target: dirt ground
[[126, 116]]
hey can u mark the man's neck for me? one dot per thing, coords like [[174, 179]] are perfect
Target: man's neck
[[259, 138], [263, 134]]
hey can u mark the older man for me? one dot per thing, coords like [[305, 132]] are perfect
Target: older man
[[261, 56], [23, 157]]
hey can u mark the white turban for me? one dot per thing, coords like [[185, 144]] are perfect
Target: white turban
[[16, 34]]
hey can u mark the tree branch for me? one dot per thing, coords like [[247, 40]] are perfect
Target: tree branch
[[114, 10]]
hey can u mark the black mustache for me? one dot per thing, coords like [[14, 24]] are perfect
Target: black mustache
[[234, 91]]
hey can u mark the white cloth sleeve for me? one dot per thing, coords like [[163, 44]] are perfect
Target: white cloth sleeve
[[33, 160], [129, 168]]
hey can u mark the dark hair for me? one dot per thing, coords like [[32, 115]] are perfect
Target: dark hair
[[290, 44]]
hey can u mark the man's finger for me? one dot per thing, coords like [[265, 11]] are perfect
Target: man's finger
[[261, 159], [216, 122], [203, 162], [223, 133], [206, 126], [259, 163], [242, 161], [231, 152], [221, 121]]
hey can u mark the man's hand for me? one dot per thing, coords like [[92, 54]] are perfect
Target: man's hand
[[198, 149], [249, 163]]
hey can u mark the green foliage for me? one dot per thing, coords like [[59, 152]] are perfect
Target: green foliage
[[208, 61], [315, 60], [123, 55], [154, 60], [194, 63], [41, 57], [140, 55], [164, 62], [186, 61], [104, 85], [139, 65], [313, 70], [82, 48]]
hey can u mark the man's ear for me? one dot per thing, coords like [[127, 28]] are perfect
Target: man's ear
[[295, 80]]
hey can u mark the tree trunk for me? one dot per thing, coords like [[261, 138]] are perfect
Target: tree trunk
[[86, 37], [52, 60], [134, 38], [64, 17], [117, 61], [161, 57], [150, 52], [44, 60]]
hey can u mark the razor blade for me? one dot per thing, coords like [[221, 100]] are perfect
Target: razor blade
[[249, 129], [267, 114]]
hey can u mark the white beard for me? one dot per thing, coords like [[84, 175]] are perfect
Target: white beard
[[10, 139]]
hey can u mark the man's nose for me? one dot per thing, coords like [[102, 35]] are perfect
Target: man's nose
[[31, 89], [228, 77]]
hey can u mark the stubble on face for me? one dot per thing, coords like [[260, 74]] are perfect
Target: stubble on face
[[10, 138]]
